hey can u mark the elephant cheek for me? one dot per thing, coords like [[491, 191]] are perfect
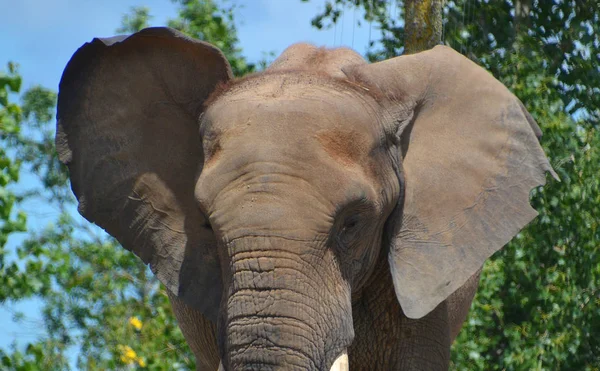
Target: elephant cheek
[[283, 310]]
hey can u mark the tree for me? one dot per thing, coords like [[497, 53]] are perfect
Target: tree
[[12, 282], [138, 19], [539, 298], [204, 20], [423, 24], [10, 118], [559, 38]]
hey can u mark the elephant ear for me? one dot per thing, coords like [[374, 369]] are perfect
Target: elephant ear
[[470, 157], [128, 110]]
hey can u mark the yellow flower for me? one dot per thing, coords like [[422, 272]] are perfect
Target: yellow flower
[[128, 355], [141, 362], [135, 322]]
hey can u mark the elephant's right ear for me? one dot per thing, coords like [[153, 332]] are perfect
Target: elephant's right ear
[[128, 110]]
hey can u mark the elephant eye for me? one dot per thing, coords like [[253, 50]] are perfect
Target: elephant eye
[[352, 220], [349, 228], [350, 224]]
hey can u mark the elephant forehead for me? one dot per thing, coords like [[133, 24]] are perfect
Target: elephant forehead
[[326, 99], [333, 119], [314, 133]]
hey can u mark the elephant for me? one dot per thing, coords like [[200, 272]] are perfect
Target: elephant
[[325, 213]]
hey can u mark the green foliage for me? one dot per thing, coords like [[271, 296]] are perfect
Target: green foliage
[[10, 222], [10, 114], [138, 19], [204, 20], [36, 147], [102, 299], [539, 299], [43, 355]]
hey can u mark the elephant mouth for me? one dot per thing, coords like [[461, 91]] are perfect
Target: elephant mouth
[[341, 363]]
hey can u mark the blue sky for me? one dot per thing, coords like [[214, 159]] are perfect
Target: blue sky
[[41, 36]]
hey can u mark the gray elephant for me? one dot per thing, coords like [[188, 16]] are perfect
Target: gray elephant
[[321, 213]]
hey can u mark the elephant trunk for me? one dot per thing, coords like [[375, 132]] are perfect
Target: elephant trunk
[[284, 311]]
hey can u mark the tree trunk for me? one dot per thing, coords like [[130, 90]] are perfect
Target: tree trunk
[[422, 24]]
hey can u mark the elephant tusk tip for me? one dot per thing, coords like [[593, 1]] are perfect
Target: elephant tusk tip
[[341, 363]]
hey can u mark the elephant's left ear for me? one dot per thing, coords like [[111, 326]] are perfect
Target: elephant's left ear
[[470, 155]]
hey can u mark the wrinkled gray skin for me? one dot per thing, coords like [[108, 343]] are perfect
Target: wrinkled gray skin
[[324, 206]]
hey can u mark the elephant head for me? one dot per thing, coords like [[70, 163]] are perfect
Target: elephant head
[[265, 203]]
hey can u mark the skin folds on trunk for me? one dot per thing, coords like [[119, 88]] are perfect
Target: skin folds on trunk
[[283, 311]]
